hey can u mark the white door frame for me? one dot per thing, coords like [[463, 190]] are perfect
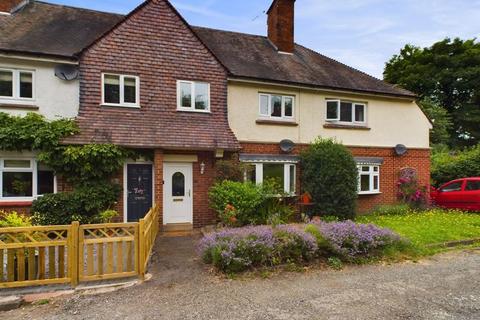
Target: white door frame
[[125, 186], [173, 165]]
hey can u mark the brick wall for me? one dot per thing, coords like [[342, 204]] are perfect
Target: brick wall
[[415, 158], [281, 24]]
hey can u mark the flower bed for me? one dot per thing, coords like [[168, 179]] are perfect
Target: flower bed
[[236, 250]]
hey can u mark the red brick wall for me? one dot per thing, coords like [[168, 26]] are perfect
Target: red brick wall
[[281, 24], [9, 5], [202, 213], [415, 158]]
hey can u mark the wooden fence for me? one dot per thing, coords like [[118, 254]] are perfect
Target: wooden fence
[[76, 253]]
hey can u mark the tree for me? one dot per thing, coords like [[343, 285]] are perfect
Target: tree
[[330, 175], [448, 75], [441, 120]]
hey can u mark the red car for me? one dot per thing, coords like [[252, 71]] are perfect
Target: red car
[[463, 194]]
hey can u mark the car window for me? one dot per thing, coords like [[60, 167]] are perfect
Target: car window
[[473, 185], [454, 186]]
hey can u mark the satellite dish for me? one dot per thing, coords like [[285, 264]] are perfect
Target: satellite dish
[[287, 145], [66, 72], [400, 149]]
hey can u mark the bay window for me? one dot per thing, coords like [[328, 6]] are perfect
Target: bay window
[[120, 90], [346, 112], [284, 175], [24, 179], [16, 84], [279, 107], [193, 96]]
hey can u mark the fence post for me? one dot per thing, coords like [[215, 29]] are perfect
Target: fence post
[[141, 249], [73, 252]]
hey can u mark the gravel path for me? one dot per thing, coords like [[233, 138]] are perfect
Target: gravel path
[[444, 287]]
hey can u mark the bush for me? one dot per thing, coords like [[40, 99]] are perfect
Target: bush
[[389, 210], [236, 250], [451, 165], [83, 205], [13, 219], [350, 240], [330, 175], [230, 170]]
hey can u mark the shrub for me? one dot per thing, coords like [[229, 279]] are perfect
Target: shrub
[[83, 205], [450, 165], [230, 170], [350, 240], [395, 209], [410, 193], [330, 175], [236, 250], [13, 219]]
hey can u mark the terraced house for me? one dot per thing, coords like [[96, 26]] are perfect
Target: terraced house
[[193, 95]]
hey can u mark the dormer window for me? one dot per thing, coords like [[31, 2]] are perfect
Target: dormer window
[[346, 112], [120, 90], [16, 84], [277, 107]]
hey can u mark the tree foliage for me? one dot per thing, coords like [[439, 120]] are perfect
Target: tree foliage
[[448, 75], [450, 165], [441, 119], [330, 175]]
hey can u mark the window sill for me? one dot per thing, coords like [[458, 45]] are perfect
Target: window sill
[[345, 126], [123, 106], [277, 123], [13, 203], [195, 111], [369, 193], [29, 107]]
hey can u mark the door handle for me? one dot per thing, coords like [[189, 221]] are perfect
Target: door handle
[[190, 193]]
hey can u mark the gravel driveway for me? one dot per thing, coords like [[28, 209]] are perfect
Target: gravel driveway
[[444, 287]]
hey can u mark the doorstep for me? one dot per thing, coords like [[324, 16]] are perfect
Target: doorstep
[[177, 227]]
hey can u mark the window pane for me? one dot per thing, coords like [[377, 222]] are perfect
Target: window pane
[[456, 186], [375, 183], [359, 113], [375, 169], [288, 107], [473, 185], [17, 163], [264, 105], [130, 90], [185, 95], [274, 172], [45, 182], [6, 83], [365, 182], [26, 85], [346, 112], [17, 184], [276, 106], [332, 110], [251, 173], [366, 169], [178, 184], [292, 179], [201, 96], [112, 89]]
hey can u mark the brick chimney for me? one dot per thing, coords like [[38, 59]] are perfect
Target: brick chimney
[[281, 16], [7, 6]]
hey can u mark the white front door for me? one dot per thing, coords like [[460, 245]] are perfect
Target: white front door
[[177, 193]]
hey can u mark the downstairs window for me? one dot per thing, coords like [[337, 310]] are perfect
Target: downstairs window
[[284, 175]]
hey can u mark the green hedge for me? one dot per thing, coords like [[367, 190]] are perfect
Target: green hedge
[[450, 165]]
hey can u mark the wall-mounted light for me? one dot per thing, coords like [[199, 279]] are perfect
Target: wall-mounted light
[[202, 168]]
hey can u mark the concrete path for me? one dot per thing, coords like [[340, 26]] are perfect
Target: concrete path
[[444, 287]]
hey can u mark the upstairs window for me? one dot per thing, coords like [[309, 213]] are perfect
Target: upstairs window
[[121, 90], [193, 96], [368, 179], [277, 107], [346, 112], [16, 84]]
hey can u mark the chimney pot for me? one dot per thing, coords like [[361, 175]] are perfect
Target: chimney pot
[[281, 25], [8, 6]]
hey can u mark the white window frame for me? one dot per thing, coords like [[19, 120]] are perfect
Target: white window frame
[[372, 174], [286, 174], [122, 102], [33, 169], [16, 84], [354, 120], [192, 107], [269, 115]]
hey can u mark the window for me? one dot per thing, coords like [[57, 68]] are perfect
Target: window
[[178, 185], [277, 106], [24, 179], [452, 187], [473, 185], [346, 112], [284, 174], [193, 96], [16, 84], [121, 90], [368, 179]]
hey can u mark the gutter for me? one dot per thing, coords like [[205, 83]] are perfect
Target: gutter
[[38, 56]]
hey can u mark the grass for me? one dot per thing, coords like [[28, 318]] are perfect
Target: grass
[[428, 228]]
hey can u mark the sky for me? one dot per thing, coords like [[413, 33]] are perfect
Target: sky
[[364, 34]]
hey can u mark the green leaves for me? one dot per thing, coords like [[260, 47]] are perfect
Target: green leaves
[[448, 165]]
